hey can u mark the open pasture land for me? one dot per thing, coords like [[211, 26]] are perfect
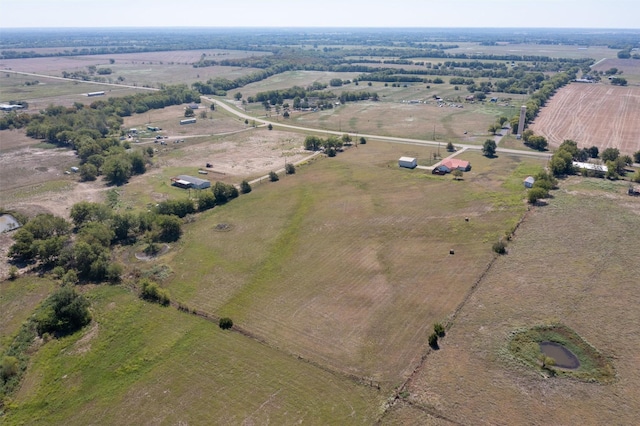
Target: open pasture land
[[140, 363], [592, 114], [54, 91], [18, 299], [575, 262], [629, 68], [347, 262], [551, 50], [142, 69], [408, 120]]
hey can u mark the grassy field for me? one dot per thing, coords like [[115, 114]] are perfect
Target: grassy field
[[17, 300], [325, 263], [575, 262], [139, 363]]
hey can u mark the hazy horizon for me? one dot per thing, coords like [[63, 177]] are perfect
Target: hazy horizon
[[525, 14]]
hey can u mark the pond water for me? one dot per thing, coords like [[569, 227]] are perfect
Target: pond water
[[8, 222], [563, 357]]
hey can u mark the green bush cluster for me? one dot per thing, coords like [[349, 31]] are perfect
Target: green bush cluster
[[151, 292]]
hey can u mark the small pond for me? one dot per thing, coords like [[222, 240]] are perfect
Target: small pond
[[8, 222], [563, 357]]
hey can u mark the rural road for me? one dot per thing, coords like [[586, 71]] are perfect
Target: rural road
[[239, 113], [392, 139]]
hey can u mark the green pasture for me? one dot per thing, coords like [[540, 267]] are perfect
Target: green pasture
[[18, 299], [324, 263], [138, 363]]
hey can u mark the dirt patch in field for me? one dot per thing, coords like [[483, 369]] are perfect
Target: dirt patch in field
[[592, 115]]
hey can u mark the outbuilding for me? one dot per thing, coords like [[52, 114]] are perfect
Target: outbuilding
[[408, 162], [529, 181], [186, 181], [188, 121]]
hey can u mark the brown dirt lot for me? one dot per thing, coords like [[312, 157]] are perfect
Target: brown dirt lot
[[592, 114], [580, 273]]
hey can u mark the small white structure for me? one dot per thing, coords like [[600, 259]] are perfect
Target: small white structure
[[529, 181], [75, 169], [10, 107], [91, 94], [188, 121], [408, 162], [598, 169]]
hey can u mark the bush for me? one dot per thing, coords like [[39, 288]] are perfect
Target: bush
[[151, 292], [13, 272], [438, 328], [245, 188], [225, 323], [273, 177], [500, 247], [363, 141], [65, 311], [433, 340], [536, 194], [290, 169]]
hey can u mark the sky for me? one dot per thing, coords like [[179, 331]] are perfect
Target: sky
[[621, 14]]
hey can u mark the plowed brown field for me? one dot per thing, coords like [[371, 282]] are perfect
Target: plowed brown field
[[592, 114]]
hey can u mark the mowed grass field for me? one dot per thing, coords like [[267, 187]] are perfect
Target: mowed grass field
[[575, 262], [347, 262], [139, 363]]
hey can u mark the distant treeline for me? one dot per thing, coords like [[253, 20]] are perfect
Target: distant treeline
[[17, 43]]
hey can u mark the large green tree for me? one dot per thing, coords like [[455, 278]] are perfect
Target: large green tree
[[489, 148], [117, 170]]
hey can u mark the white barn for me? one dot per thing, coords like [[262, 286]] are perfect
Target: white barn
[[408, 162]]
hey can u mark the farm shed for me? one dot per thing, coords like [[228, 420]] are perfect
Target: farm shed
[[440, 170], [186, 181], [90, 94], [188, 121], [9, 107], [193, 106], [408, 162], [529, 181], [598, 169]]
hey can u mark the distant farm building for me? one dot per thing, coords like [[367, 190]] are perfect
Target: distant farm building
[[186, 182], [9, 107], [529, 181], [597, 169], [90, 94], [153, 128], [194, 106], [408, 162], [188, 121]]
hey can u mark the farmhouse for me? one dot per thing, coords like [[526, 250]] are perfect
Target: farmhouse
[[408, 162], [454, 163], [186, 181], [188, 121]]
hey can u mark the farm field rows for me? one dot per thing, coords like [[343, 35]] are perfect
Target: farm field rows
[[592, 114], [581, 273]]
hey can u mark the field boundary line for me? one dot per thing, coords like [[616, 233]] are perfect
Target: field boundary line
[[448, 325]]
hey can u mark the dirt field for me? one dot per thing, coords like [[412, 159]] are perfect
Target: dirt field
[[592, 114], [581, 273]]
